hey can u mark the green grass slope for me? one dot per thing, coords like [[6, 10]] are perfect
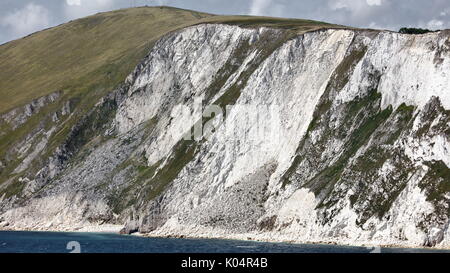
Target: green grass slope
[[100, 50]]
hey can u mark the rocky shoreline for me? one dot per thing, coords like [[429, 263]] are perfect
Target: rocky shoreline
[[221, 235], [89, 228]]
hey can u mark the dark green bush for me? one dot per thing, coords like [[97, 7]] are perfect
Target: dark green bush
[[405, 30]]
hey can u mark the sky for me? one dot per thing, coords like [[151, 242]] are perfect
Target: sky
[[19, 18]]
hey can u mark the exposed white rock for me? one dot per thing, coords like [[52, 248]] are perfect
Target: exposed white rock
[[411, 69], [285, 79], [37, 149], [19, 116]]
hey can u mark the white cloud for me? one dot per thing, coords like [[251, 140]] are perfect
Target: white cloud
[[373, 2], [73, 2], [353, 4], [435, 24], [445, 12], [29, 19], [266, 8], [345, 4], [80, 8], [258, 7]]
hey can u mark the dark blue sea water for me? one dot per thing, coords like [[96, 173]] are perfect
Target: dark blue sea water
[[65, 242]]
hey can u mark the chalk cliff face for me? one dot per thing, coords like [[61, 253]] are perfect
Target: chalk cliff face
[[355, 146]]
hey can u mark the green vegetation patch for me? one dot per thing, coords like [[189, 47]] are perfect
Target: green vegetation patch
[[432, 110], [357, 137], [322, 112], [437, 184], [13, 188], [363, 173], [406, 30]]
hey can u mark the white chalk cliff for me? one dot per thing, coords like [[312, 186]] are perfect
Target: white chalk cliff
[[359, 152]]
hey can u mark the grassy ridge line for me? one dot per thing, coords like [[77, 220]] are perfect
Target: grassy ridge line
[[103, 48]]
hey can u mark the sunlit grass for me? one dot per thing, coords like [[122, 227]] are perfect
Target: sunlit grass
[[102, 48]]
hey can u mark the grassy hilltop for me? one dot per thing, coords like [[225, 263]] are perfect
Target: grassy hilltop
[[99, 50]]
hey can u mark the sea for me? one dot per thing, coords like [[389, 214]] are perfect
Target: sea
[[83, 242]]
